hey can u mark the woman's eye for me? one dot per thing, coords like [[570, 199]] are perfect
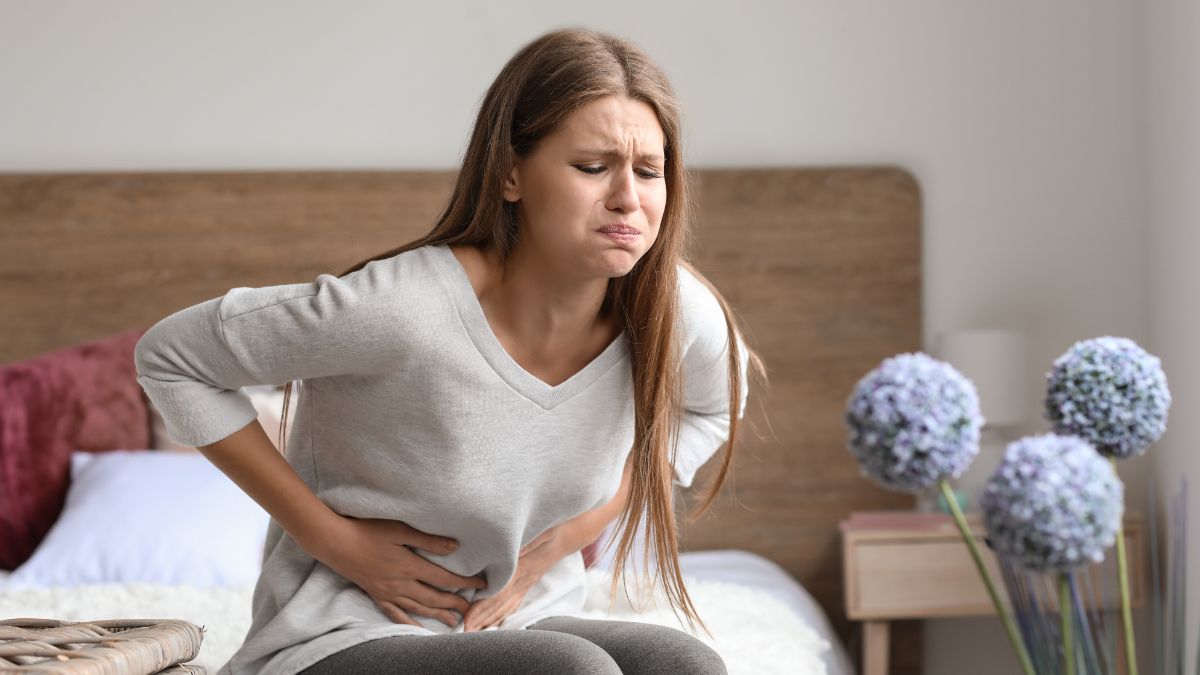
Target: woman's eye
[[593, 170]]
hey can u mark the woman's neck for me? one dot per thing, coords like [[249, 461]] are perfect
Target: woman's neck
[[536, 307]]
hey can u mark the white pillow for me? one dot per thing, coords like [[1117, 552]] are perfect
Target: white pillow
[[147, 516]]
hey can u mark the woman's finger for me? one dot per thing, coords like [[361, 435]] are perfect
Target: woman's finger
[[487, 620], [490, 614], [476, 615], [433, 597], [434, 574], [433, 543], [445, 616], [498, 613], [394, 613]]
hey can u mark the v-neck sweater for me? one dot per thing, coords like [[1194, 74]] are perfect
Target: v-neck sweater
[[410, 408], [489, 346]]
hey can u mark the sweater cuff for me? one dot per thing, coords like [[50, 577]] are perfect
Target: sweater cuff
[[196, 414]]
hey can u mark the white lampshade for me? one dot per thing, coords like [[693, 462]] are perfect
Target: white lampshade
[[995, 361]]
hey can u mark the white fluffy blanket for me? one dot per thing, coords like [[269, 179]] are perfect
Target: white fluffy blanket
[[754, 633]]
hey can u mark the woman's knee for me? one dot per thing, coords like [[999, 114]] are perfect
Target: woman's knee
[[643, 647], [670, 650], [499, 652], [694, 656], [566, 653]]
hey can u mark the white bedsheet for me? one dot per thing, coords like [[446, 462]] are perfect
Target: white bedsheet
[[762, 620], [754, 571]]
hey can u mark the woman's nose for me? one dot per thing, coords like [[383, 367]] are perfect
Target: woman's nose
[[624, 192]]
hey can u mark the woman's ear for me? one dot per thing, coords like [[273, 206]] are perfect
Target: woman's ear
[[512, 192]]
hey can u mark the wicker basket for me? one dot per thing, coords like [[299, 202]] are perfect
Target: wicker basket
[[110, 647]]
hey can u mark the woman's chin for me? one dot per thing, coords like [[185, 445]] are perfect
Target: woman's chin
[[612, 270], [617, 262]]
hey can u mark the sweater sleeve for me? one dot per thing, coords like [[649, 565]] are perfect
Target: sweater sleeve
[[704, 427], [193, 363]]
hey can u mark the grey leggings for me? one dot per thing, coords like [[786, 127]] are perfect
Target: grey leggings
[[560, 645]]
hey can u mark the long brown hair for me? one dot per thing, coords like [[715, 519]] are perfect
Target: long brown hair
[[536, 90]]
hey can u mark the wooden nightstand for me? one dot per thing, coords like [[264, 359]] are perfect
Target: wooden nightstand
[[908, 565]]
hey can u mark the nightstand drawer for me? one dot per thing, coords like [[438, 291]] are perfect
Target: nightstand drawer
[[919, 578], [893, 575]]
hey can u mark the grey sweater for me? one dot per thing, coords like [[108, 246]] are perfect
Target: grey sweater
[[411, 409]]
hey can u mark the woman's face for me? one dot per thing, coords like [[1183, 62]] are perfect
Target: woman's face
[[603, 166]]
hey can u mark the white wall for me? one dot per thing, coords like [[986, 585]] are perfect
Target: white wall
[[1172, 277], [1021, 120]]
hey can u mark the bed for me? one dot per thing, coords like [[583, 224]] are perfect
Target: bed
[[822, 265]]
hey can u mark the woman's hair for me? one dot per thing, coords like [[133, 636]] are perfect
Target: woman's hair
[[534, 93]]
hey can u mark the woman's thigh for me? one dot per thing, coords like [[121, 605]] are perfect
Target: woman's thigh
[[489, 652], [641, 648]]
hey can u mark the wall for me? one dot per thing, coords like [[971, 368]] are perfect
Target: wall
[[1022, 121], [1171, 31]]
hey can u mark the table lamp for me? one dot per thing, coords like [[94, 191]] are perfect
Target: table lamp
[[995, 361]]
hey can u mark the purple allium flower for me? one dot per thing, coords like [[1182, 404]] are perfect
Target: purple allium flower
[[913, 420], [1053, 503], [1111, 393]]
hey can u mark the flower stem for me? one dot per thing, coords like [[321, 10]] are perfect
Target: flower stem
[[1064, 611], [1123, 576], [1009, 626]]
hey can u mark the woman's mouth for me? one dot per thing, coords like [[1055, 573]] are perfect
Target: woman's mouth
[[622, 234]]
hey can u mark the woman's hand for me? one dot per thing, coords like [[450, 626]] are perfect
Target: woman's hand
[[374, 553], [536, 557]]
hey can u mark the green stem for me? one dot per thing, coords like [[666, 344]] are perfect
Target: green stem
[[1064, 611], [1009, 626], [1123, 576]]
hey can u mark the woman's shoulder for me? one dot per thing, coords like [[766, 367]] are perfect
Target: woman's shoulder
[[379, 282], [705, 330], [698, 306]]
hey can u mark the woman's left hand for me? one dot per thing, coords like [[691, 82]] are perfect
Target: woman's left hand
[[536, 557]]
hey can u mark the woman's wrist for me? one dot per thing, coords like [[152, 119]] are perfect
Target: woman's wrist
[[319, 536]]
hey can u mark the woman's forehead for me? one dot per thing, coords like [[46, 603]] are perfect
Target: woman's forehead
[[609, 127]]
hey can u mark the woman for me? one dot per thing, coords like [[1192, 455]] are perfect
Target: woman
[[478, 405]]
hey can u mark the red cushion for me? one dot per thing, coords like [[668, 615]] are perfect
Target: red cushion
[[115, 413], [590, 553], [84, 397]]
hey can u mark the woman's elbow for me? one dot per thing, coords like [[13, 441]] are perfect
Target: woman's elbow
[[146, 357]]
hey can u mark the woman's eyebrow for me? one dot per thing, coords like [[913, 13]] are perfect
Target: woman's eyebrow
[[613, 152]]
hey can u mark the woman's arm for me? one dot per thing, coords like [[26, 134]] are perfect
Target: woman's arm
[[704, 427], [193, 365], [251, 461]]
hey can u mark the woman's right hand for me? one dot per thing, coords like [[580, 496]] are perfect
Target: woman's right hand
[[374, 554]]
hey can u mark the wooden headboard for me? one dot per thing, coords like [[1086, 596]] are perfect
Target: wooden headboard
[[822, 265]]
